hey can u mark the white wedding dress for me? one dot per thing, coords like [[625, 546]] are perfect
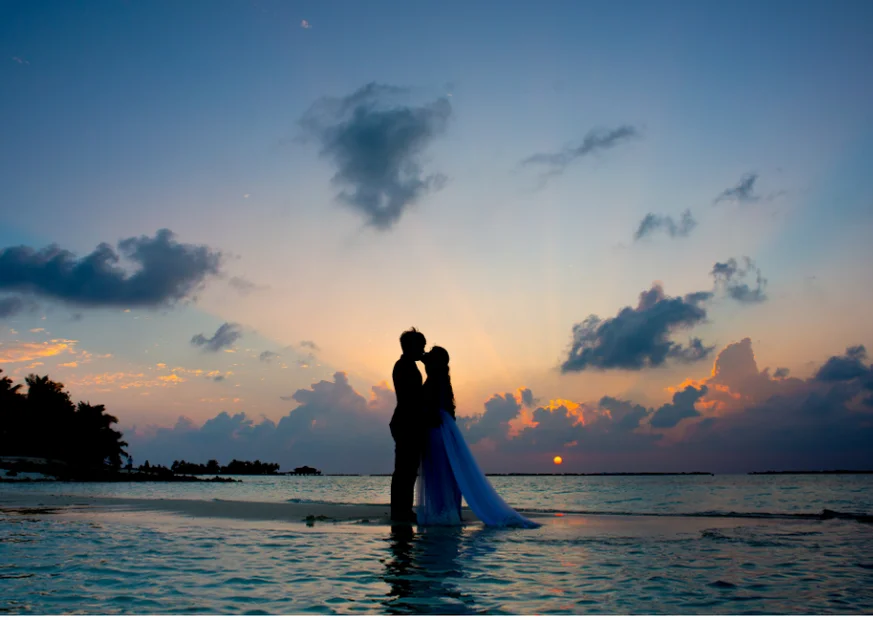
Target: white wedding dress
[[448, 471]]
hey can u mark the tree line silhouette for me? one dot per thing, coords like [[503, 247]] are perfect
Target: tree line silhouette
[[239, 468], [45, 423]]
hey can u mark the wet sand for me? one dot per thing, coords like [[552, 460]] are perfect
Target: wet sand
[[333, 514]]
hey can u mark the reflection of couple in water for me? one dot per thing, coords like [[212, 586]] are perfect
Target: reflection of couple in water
[[425, 569], [429, 446]]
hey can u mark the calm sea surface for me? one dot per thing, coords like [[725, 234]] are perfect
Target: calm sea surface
[[726, 544]]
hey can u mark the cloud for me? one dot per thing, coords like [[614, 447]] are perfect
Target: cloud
[[500, 410], [375, 146], [728, 276], [682, 407], [639, 337], [305, 24], [308, 344], [244, 286], [652, 223], [595, 140], [165, 272], [625, 414], [17, 352], [218, 378], [845, 367], [333, 428], [268, 356], [11, 306], [224, 337], [770, 424], [20, 61], [781, 373], [742, 192]]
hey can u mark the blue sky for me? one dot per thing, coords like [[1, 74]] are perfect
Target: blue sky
[[121, 118]]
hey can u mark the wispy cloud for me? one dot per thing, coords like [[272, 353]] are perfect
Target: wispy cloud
[[268, 356], [20, 60], [595, 140], [652, 223], [224, 337], [11, 306], [305, 24], [729, 275], [742, 192], [16, 352]]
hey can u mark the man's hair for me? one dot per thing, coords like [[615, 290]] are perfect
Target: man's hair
[[412, 339]]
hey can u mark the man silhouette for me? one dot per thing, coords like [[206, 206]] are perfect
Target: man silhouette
[[406, 427]]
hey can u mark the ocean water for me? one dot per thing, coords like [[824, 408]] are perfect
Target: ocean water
[[719, 545]]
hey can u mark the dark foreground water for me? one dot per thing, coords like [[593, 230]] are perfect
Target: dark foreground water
[[718, 562]]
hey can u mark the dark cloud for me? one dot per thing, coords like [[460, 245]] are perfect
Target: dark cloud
[[500, 409], [268, 356], [845, 367], [375, 144], [165, 272], [527, 398], [728, 275], [224, 337], [595, 140], [219, 378], [639, 337], [625, 414], [333, 428], [308, 344], [11, 306], [743, 192], [781, 373], [682, 407], [653, 223], [812, 426]]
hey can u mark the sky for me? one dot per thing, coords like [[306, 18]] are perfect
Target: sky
[[641, 230]]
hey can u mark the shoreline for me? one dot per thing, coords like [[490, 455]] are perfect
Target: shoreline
[[309, 513]]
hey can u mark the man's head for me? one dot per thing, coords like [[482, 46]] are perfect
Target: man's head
[[413, 343]]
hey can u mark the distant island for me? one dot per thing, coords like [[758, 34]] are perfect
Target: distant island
[[811, 471], [48, 437], [64, 440], [235, 467]]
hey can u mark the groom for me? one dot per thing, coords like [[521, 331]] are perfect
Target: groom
[[406, 428]]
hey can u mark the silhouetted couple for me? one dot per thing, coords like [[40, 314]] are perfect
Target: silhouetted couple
[[429, 446]]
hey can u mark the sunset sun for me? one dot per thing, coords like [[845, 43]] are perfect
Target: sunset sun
[[558, 460]]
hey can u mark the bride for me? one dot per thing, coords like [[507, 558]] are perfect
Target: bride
[[448, 469]]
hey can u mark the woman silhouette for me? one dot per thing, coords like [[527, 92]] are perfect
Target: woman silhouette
[[448, 469]]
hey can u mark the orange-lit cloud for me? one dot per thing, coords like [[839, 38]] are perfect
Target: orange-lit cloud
[[18, 352], [735, 382], [173, 378]]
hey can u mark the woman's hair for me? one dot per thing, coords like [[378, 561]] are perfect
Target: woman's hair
[[437, 366]]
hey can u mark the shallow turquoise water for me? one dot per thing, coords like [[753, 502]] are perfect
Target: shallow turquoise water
[[114, 561]]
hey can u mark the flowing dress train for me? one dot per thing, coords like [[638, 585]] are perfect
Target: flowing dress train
[[449, 471]]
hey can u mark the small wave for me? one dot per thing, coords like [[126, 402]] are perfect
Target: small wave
[[824, 515]]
